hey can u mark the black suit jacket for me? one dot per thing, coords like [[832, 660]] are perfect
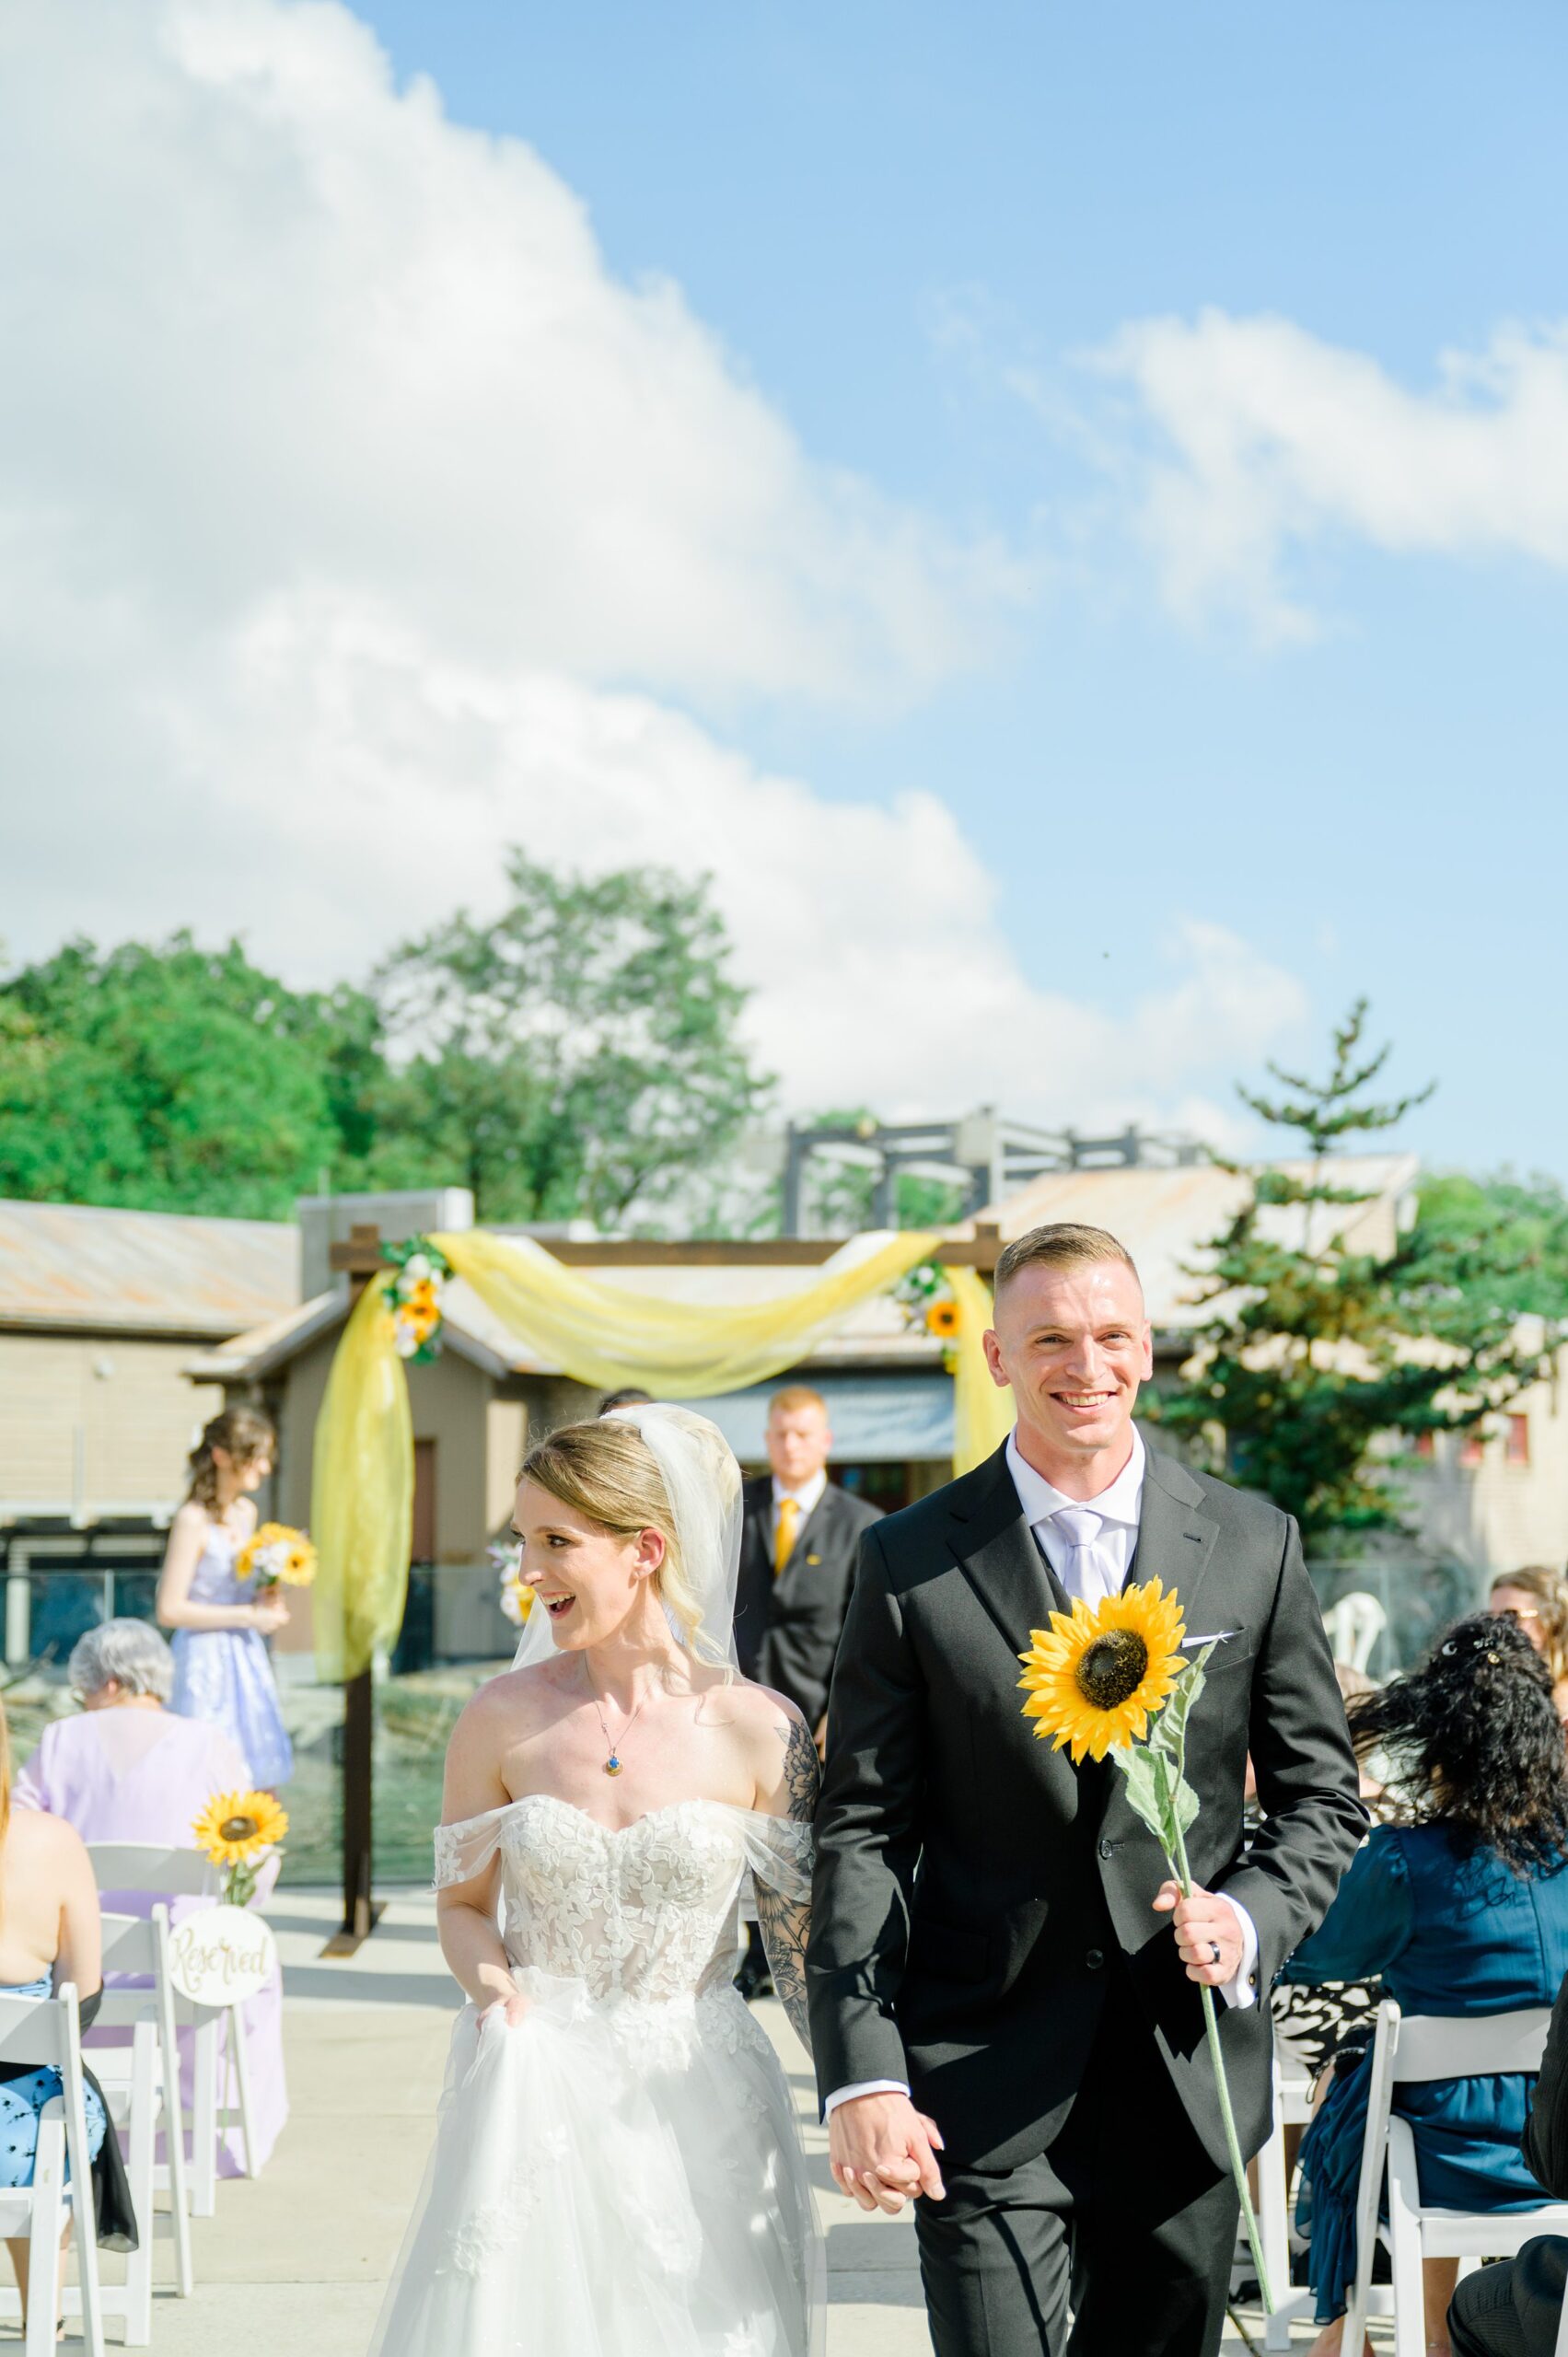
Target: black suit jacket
[[787, 1630], [1540, 2272], [971, 1882]]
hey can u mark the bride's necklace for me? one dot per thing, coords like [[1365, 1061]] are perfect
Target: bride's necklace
[[612, 1751]]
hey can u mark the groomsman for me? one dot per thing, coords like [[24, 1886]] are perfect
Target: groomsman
[[797, 1552]]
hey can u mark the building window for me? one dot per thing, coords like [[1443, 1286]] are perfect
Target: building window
[[1519, 1440], [1470, 1447]]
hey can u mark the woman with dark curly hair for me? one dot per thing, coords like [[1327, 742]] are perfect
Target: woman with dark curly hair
[[1463, 1911]]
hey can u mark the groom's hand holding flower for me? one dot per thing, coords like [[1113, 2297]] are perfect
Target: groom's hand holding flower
[[1208, 1933], [882, 2152]]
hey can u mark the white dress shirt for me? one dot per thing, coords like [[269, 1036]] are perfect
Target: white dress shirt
[[1106, 1560]]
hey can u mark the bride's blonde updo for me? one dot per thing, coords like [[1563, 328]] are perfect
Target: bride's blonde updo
[[607, 1473]]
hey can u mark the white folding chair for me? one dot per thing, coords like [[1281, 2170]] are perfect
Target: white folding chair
[[1403, 2051], [141, 2087], [1354, 1625], [1292, 2109], [218, 2031], [38, 2032]]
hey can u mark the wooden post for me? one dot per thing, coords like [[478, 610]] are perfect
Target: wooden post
[[361, 1912]]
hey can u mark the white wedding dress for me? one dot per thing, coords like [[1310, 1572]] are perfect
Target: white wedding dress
[[621, 2175]]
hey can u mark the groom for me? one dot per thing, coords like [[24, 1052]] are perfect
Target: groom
[[1000, 1974]]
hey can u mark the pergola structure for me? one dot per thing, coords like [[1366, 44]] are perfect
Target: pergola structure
[[975, 1247]]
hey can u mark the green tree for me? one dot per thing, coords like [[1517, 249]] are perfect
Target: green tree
[[1316, 1358], [173, 1078], [1508, 1238], [578, 1056]]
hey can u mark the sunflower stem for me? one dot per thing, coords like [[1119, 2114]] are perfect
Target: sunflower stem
[[1232, 2143]]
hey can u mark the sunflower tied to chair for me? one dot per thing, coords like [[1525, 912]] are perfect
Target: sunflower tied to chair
[[237, 1831], [1113, 1679]]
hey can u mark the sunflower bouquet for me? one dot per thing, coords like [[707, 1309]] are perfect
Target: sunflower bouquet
[[414, 1296], [276, 1556], [1115, 1679], [237, 1831]]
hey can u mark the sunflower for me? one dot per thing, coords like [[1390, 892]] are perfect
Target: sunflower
[[1096, 1678], [422, 1300], [298, 1568], [942, 1319], [235, 1828], [266, 1535]]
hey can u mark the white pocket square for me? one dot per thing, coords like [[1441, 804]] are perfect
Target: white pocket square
[[1216, 1637]]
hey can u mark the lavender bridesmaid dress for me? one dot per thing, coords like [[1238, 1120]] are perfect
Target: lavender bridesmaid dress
[[225, 1675]]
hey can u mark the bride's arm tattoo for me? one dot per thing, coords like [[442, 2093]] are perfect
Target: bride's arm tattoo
[[785, 1922]]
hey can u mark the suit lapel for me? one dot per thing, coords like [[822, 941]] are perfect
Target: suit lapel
[[998, 1554], [1175, 1544], [1176, 1538]]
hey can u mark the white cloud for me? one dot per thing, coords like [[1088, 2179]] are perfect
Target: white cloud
[[1272, 438], [867, 933], [269, 319], [355, 520]]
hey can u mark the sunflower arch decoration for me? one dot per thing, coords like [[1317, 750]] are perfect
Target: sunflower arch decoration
[[604, 1335], [1113, 1680]]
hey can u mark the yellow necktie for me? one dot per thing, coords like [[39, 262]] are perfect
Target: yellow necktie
[[784, 1538]]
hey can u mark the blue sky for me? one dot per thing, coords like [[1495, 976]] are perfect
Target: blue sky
[[1336, 735], [1384, 809]]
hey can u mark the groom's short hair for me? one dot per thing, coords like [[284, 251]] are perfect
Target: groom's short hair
[[1060, 1244]]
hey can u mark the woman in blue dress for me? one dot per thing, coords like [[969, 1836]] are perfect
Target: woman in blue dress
[[1464, 1911], [223, 1672]]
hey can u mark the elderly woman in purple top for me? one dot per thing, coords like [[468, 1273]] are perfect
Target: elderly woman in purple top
[[130, 1769]]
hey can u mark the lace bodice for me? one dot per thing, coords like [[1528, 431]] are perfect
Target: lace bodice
[[646, 1912]]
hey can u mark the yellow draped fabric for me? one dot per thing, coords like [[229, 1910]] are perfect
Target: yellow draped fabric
[[982, 1412], [677, 1349], [362, 1494], [601, 1334]]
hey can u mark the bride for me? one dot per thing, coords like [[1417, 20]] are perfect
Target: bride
[[616, 2170]]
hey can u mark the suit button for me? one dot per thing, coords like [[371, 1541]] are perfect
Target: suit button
[[1094, 1959], [1107, 1848]]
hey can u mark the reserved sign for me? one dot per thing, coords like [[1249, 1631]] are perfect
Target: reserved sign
[[220, 1955]]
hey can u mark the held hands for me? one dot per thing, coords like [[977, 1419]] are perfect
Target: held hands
[[510, 2005], [1208, 1935], [882, 2152]]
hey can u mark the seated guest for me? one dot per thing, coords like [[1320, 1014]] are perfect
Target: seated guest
[[130, 1769], [1513, 2309], [1538, 1598], [1462, 1911], [50, 1933]]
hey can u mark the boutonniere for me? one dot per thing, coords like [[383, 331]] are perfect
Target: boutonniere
[[1117, 1679]]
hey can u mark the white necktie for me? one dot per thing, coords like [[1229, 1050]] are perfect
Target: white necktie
[[1085, 1572]]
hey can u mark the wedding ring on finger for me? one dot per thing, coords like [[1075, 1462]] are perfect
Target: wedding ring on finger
[[1214, 1951]]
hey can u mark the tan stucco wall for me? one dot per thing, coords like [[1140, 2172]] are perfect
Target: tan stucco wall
[[1496, 1515], [95, 1426]]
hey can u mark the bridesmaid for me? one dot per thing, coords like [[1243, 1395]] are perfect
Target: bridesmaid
[[222, 1670]]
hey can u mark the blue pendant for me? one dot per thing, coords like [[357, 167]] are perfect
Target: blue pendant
[[612, 1766]]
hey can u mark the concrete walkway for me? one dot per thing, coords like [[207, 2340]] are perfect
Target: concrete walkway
[[294, 2264]]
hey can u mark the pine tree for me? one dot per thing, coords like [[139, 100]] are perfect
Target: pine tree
[[1318, 1361]]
